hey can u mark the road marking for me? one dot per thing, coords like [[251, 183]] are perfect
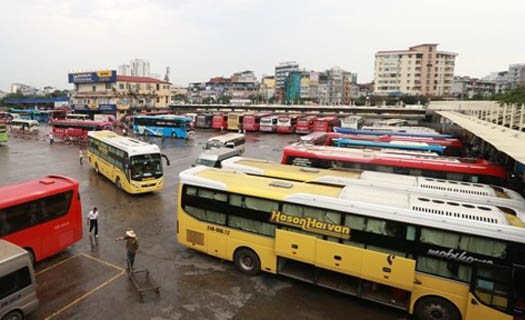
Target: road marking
[[102, 261], [82, 297], [56, 264]]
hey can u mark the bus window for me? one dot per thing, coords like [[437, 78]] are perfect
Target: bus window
[[444, 268], [383, 227], [492, 285], [28, 214], [14, 282], [455, 176], [487, 247], [251, 225]]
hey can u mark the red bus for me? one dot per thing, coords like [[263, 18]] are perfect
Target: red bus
[[77, 129], [219, 121], [404, 162], [305, 124], [287, 123], [326, 124], [252, 122], [452, 146], [43, 216]]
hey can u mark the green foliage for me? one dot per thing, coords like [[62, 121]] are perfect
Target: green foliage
[[516, 95]]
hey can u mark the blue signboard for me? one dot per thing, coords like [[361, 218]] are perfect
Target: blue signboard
[[106, 107], [93, 77], [80, 107]]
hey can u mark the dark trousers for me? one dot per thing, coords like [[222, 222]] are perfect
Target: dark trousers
[[93, 223], [131, 259], [81, 160]]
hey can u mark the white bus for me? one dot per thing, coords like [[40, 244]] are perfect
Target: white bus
[[133, 165], [17, 282], [352, 122], [508, 201], [229, 140], [269, 124], [21, 125]]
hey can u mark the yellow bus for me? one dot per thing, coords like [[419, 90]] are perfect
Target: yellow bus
[[134, 166], [235, 120], [436, 266]]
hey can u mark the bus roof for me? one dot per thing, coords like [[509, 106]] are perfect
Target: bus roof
[[10, 251], [132, 146], [28, 190], [164, 117], [345, 176], [472, 219], [24, 121], [367, 155], [227, 137]]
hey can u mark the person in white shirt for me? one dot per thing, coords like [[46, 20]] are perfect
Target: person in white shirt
[[93, 221]]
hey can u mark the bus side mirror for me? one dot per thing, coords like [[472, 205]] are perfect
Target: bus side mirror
[[167, 160]]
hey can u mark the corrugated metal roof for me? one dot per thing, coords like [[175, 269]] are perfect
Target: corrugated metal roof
[[509, 141]]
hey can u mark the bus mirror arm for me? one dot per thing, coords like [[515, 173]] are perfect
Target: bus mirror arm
[[167, 160]]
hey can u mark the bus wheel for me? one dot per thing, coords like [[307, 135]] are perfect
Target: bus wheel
[[14, 315], [434, 308], [247, 262], [118, 183]]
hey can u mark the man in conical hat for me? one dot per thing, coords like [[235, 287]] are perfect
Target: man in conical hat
[[132, 246]]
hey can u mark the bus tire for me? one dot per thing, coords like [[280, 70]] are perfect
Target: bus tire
[[435, 308], [247, 261], [14, 315], [117, 182]]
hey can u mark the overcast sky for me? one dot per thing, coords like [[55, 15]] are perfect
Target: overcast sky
[[42, 40]]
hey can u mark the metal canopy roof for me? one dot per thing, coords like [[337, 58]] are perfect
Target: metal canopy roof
[[509, 141]]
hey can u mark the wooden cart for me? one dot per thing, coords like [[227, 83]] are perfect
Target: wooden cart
[[143, 282]]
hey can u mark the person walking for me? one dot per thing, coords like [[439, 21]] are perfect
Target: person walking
[[51, 138], [81, 156], [132, 246], [93, 220]]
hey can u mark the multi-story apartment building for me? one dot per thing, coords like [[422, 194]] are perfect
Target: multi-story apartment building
[[516, 75], [292, 87], [281, 72], [105, 92], [420, 70], [140, 68], [468, 88], [267, 89]]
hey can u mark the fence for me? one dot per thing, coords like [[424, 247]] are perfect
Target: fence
[[510, 116]]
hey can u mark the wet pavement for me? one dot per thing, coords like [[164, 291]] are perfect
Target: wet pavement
[[88, 281]]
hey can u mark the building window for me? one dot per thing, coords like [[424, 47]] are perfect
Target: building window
[[158, 86], [121, 86], [108, 85], [94, 88]]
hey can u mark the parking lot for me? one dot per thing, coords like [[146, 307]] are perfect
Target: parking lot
[[88, 281]]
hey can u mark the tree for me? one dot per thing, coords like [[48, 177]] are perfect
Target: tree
[[516, 95], [180, 97], [208, 100], [224, 99]]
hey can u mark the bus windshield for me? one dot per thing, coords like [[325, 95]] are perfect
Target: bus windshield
[[214, 144], [146, 166]]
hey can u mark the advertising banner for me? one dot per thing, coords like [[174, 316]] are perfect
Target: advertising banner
[[93, 77]]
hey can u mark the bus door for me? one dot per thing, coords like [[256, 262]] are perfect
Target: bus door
[[491, 293]]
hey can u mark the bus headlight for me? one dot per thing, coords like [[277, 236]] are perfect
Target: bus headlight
[[135, 185]]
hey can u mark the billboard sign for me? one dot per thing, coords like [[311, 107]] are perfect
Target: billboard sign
[[93, 77]]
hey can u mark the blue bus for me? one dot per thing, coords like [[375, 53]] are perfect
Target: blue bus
[[31, 114], [163, 126], [404, 145], [397, 132]]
